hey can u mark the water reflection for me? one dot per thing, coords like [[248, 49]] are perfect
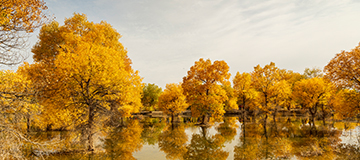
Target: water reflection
[[226, 140], [228, 129], [173, 140], [287, 140], [123, 141], [204, 146], [152, 129]]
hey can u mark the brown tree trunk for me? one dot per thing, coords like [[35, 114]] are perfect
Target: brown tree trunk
[[274, 115], [28, 123], [205, 119], [172, 118], [265, 121], [323, 114], [313, 113], [91, 129], [243, 109]]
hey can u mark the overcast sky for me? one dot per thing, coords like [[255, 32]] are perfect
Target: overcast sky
[[165, 37]]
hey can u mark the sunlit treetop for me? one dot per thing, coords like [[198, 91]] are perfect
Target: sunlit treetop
[[18, 18], [311, 92], [273, 89], [346, 103], [172, 100], [246, 94], [313, 72], [54, 38], [202, 87], [22, 15], [150, 97], [86, 72], [344, 69]]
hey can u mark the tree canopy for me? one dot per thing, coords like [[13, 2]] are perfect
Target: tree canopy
[[273, 90], [344, 70], [312, 93], [202, 87], [17, 19], [172, 101], [151, 93], [89, 73]]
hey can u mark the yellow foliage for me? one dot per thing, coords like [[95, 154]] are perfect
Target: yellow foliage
[[18, 18], [88, 74], [16, 98], [312, 92], [344, 70], [172, 101], [272, 89], [151, 93], [203, 90], [346, 103], [21, 14], [172, 141], [204, 146], [122, 142], [18, 108], [230, 104], [247, 96]]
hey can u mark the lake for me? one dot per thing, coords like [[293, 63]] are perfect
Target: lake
[[156, 138]]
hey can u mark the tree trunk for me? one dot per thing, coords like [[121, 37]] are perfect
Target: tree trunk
[[205, 119], [265, 121], [121, 121], [312, 120], [243, 114], [274, 115], [315, 111], [323, 114], [91, 129], [28, 123], [172, 118]]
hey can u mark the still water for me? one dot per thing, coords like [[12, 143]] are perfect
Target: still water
[[154, 138]]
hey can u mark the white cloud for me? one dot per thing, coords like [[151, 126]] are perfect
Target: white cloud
[[165, 37]]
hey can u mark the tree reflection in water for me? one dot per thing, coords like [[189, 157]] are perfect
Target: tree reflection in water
[[203, 146], [152, 129], [283, 140], [228, 129], [172, 141], [123, 141], [289, 140]]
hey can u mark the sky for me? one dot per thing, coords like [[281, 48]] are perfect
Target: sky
[[164, 38]]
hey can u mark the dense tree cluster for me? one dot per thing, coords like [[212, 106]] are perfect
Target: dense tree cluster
[[82, 79]]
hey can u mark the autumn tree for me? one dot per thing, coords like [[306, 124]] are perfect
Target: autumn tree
[[18, 18], [202, 87], [344, 70], [246, 95], [18, 107], [172, 101], [272, 89], [346, 103], [291, 78], [312, 94], [313, 72], [88, 73], [151, 93], [230, 103]]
